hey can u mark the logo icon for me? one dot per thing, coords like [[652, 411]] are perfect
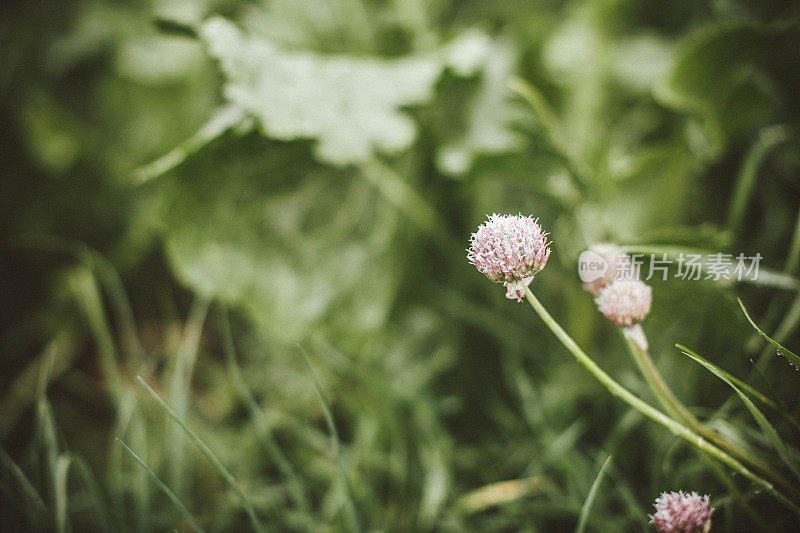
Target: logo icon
[[591, 266]]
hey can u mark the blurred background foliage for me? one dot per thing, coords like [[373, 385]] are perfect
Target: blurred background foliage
[[193, 188]]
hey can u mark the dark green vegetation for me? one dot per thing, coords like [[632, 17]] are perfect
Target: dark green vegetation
[[193, 191]]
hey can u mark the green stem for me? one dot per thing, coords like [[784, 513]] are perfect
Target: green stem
[[675, 408], [671, 404], [649, 411]]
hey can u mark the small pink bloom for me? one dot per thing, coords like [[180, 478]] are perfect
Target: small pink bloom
[[625, 302], [509, 249], [682, 512]]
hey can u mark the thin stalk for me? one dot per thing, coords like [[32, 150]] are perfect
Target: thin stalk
[[649, 411], [671, 404], [675, 408]]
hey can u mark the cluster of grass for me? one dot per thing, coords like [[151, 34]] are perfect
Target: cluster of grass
[[231, 304]]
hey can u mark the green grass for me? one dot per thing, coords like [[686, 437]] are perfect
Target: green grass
[[171, 211]]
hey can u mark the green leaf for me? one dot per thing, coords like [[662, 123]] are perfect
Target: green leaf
[[350, 105], [257, 417], [767, 140], [282, 237], [766, 428], [730, 78], [790, 356]]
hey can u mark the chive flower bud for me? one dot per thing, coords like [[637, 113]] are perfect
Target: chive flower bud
[[625, 302]]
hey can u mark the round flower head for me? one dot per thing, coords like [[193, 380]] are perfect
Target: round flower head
[[682, 512], [625, 302], [509, 249]]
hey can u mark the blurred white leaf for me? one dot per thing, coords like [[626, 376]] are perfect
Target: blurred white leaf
[[350, 105], [487, 129], [642, 61]]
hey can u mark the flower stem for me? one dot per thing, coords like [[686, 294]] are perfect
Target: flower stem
[[677, 410], [649, 411]]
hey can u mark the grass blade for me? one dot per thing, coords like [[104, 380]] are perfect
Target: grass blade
[[245, 502], [101, 516], [738, 382], [180, 384], [262, 429], [406, 199], [552, 129], [783, 411], [587, 505], [58, 355], [790, 356], [326, 407], [90, 301], [28, 490], [61, 477], [182, 508], [106, 274], [225, 118], [766, 428], [793, 257], [768, 139], [500, 493]]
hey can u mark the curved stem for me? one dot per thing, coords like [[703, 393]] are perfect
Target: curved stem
[[649, 411]]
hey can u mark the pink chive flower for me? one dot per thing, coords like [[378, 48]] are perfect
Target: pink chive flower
[[509, 249], [682, 512], [625, 302]]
